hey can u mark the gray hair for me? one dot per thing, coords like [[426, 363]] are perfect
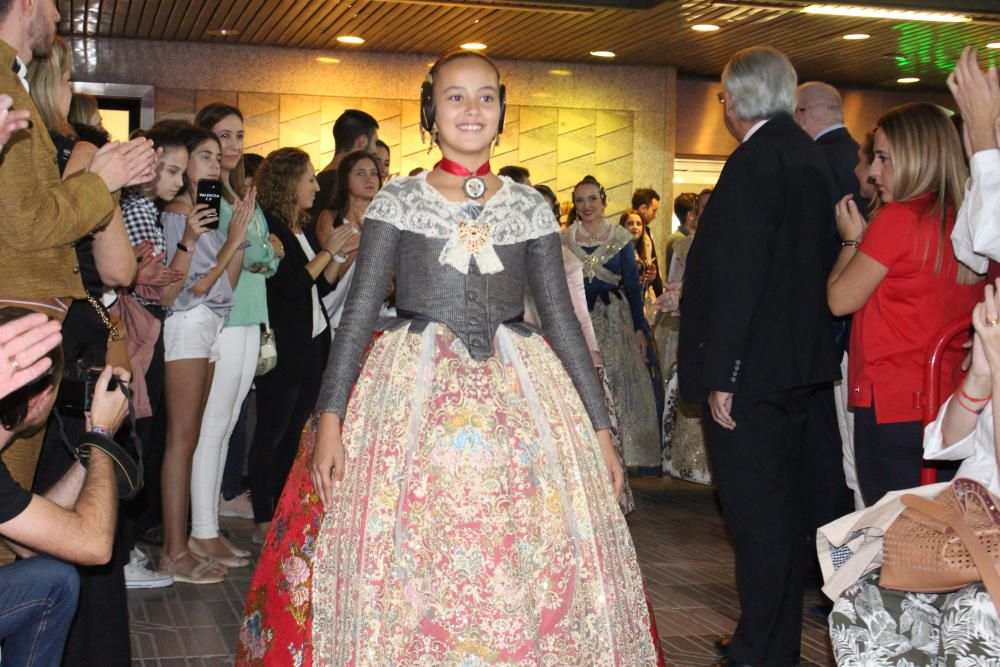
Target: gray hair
[[761, 82]]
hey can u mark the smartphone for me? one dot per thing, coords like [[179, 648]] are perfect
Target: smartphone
[[210, 194]]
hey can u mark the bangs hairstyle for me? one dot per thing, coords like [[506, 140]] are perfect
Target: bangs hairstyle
[[277, 182], [927, 157], [45, 76], [207, 118], [341, 201], [192, 137], [761, 82]]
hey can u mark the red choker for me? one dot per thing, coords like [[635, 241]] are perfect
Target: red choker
[[474, 186]]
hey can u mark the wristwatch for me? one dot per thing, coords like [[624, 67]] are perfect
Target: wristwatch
[[181, 246]]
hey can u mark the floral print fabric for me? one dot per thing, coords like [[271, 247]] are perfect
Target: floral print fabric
[[475, 524], [872, 626]]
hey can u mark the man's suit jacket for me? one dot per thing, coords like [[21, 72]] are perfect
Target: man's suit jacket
[[41, 216], [754, 315], [841, 152]]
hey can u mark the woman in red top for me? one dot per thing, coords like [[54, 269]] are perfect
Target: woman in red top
[[900, 278]]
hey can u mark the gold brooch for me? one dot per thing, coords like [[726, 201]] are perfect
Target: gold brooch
[[473, 236]]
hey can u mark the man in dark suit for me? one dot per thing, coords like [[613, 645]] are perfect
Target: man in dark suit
[[755, 342], [819, 111]]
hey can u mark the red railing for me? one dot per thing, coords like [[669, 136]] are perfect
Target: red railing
[[930, 398]]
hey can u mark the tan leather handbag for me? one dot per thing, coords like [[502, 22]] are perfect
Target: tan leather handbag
[[941, 545]]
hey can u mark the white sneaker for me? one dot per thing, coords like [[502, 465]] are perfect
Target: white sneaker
[[139, 575], [239, 507]]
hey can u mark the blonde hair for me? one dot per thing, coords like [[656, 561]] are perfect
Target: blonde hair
[[927, 157], [277, 179], [45, 76], [82, 108]]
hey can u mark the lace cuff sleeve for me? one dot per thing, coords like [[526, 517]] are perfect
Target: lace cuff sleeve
[[547, 280], [372, 273]]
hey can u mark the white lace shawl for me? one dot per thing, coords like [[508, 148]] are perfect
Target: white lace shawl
[[514, 214]]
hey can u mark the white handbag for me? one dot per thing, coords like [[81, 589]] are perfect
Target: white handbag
[[267, 358]]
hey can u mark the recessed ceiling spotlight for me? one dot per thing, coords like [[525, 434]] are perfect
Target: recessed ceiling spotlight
[[890, 14], [350, 39], [326, 60], [473, 46], [560, 72], [603, 54], [222, 32], [908, 79], [857, 36], [993, 45], [705, 27]]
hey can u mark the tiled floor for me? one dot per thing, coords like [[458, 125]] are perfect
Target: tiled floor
[[678, 534]]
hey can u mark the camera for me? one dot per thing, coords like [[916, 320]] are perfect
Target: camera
[[76, 392]]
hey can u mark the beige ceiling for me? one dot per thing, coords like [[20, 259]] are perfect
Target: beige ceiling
[[660, 35]]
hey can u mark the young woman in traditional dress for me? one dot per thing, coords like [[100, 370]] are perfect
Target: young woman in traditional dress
[[469, 504]]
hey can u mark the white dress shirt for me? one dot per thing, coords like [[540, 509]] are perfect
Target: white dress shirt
[[976, 236], [753, 130], [976, 451], [319, 322]]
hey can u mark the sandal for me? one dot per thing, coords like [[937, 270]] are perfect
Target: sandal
[[199, 553], [203, 573], [236, 551]]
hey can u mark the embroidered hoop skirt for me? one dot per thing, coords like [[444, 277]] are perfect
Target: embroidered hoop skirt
[[475, 525], [630, 383]]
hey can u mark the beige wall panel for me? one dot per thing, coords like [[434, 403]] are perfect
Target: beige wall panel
[[570, 172], [390, 129], [615, 145], [297, 106], [576, 143], [543, 168], [263, 149], [262, 128], [254, 104], [534, 117], [615, 173], [537, 141], [205, 97], [301, 131], [334, 106], [571, 120], [171, 102], [612, 121], [509, 142], [619, 199]]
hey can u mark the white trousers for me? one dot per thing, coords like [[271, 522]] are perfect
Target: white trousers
[[845, 419], [234, 373]]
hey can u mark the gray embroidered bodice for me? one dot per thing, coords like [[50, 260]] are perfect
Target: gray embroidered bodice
[[465, 266]]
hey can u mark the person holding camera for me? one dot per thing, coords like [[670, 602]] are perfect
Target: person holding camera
[[74, 522]]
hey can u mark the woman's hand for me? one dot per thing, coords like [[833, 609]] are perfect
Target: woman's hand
[[640, 340], [200, 215], [327, 469], [343, 240], [978, 98], [850, 223], [616, 473], [277, 246], [242, 214], [670, 301], [986, 320], [153, 272]]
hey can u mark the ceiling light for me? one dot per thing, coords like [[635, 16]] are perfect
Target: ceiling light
[[222, 32], [560, 72], [877, 13], [993, 45], [908, 79], [350, 39], [473, 46], [857, 35], [327, 60], [603, 54], [704, 27]]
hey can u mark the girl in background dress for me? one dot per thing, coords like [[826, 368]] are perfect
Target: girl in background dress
[[614, 294]]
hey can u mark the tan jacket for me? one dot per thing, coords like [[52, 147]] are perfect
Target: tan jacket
[[41, 216]]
